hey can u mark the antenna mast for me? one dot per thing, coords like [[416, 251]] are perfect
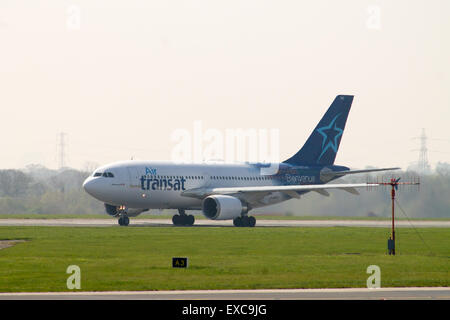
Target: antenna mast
[[61, 150], [423, 156], [394, 183]]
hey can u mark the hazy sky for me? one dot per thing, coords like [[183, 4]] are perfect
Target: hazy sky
[[119, 77]]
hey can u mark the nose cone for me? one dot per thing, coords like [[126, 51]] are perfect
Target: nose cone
[[89, 186], [97, 188]]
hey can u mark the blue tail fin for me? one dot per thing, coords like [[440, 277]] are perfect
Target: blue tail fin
[[323, 143]]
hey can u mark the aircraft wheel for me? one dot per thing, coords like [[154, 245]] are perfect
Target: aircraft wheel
[[237, 222], [244, 221], [251, 222], [184, 220], [124, 221]]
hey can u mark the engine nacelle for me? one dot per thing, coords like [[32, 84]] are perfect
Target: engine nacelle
[[113, 210], [222, 207]]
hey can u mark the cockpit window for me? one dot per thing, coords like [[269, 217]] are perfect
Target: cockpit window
[[107, 175], [104, 174]]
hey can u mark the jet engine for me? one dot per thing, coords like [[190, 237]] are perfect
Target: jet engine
[[220, 207]]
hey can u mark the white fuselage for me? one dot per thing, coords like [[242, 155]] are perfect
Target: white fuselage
[[158, 185], [227, 191]]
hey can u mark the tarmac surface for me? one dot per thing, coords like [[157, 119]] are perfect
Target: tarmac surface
[[437, 293], [226, 223]]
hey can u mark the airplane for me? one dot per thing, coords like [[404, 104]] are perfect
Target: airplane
[[227, 191]]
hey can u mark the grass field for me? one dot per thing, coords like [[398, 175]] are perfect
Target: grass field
[[139, 258]]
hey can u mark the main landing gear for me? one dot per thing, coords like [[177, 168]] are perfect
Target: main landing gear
[[244, 221], [182, 219]]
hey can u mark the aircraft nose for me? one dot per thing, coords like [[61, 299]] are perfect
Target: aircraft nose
[[96, 187], [88, 185]]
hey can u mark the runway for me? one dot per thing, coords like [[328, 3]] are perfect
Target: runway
[[428, 293], [225, 223]]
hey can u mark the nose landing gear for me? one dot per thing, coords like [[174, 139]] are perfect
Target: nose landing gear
[[124, 220], [122, 214]]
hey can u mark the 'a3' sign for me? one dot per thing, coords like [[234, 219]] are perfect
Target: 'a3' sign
[[179, 262]]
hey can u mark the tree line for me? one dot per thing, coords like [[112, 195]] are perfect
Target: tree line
[[37, 189], [40, 190], [429, 200]]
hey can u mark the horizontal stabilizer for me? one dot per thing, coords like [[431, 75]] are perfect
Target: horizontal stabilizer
[[327, 175]]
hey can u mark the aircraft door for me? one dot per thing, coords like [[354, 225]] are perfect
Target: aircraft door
[[207, 179], [133, 177]]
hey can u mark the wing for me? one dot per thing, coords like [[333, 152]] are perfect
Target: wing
[[290, 190]]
